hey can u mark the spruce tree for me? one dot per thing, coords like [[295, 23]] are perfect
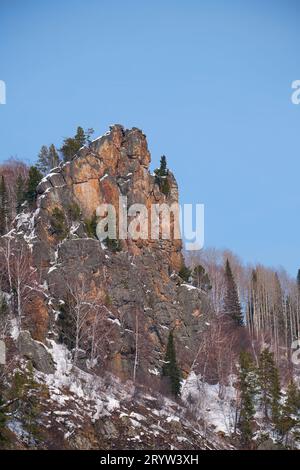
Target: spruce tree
[[248, 389], [269, 387], [290, 411], [4, 207], [232, 307], [163, 166], [170, 368], [20, 193], [34, 178], [161, 174]]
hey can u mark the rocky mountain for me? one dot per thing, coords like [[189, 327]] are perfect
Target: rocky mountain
[[139, 279], [124, 298]]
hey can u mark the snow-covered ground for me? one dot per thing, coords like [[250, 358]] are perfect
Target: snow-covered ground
[[213, 404]]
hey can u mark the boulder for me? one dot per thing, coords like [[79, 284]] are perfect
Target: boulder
[[36, 352]]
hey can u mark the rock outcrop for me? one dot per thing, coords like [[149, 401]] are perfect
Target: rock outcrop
[[35, 352], [138, 283]]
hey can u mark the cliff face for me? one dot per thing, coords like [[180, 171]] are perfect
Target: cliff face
[[138, 285]]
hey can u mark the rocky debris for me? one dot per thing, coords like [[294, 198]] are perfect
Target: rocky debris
[[35, 351]]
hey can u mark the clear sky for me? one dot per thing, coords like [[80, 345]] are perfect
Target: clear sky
[[209, 82]]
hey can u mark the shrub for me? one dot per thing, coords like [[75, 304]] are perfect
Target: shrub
[[58, 223], [91, 225], [185, 273], [112, 244], [74, 211], [107, 300]]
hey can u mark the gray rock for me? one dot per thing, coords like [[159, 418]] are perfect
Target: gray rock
[[57, 179], [43, 186], [36, 352], [106, 428]]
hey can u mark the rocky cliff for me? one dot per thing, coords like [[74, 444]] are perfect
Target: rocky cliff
[[88, 321], [137, 284]]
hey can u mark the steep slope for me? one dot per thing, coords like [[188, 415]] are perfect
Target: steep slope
[[139, 290]]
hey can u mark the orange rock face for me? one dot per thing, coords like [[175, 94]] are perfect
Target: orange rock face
[[115, 165], [134, 279]]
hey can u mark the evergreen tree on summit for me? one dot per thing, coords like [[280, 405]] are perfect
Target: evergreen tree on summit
[[71, 145], [48, 158], [34, 178]]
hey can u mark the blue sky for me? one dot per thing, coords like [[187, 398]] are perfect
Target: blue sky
[[209, 82]]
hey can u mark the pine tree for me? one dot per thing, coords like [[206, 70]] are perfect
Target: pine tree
[[34, 177], [4, 207], [43, 160], [185, 273], [200, 278], [248, 390], [269, 387], [71, 145], [20, 193], [48, 158], [232, 307], [170, 368]]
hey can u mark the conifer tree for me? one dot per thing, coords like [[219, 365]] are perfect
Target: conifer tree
[[4, 207], [185, 273], [269, 387], [48, 158], [34, 178], [43, 159], [290, 411], [170, 368], [163, 166], [20, 193], [200, 278], [248, 390], [161, 174], [71, 145], [232, 307]]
